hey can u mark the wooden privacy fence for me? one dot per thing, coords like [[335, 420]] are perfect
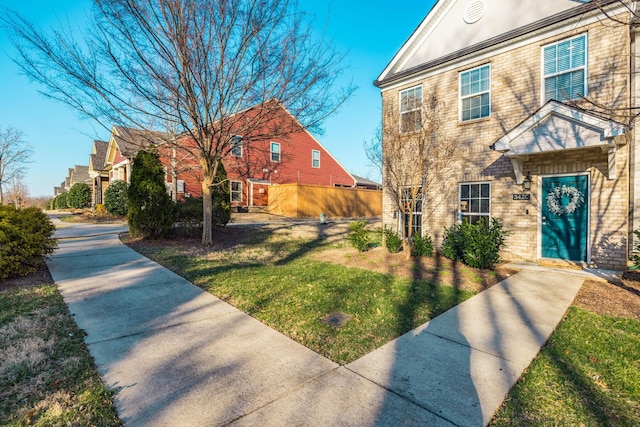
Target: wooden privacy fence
[[299, 201]]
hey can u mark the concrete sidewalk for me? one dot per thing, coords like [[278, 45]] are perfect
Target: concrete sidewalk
[[178, 356]]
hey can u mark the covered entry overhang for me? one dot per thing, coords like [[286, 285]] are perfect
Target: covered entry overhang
[[558, 127]]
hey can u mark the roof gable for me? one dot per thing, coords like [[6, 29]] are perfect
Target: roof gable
[[462, 26], [97, 159], [557, 127], [78, 174]]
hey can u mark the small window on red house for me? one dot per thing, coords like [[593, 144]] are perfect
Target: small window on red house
[[315, 158], [236, 147], [275, 152], [236, 191]]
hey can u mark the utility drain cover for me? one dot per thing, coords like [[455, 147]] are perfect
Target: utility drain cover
[[337, 320]]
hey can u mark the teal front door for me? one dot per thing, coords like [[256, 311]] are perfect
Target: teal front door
[[565, 201]]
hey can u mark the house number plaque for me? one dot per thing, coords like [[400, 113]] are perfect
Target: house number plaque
[[526, 196]]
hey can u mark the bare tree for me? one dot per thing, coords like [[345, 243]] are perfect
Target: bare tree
[[419, 163], [213, 69], [614, 13], [17, 192], [15, 153], [373, 151]]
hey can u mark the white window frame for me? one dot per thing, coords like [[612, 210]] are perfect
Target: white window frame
[[315, 159], [410, 109], [416, 213], [234, 149], [180, 186], [467, 213], [277, 152], [471, 95], [572, 69], [237, 191]]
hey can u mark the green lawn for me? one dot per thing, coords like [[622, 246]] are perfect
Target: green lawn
[[588, 374], [47, 377], [293, 294]]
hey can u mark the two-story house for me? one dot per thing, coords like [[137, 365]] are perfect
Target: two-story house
[[181, 170], [253, 162], [537, 95], [97, 171], [260, 159]]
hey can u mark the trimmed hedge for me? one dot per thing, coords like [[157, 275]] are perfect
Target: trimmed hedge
[[477, 245], [79, 196], [60, 202], [26, 239], [115, 198]]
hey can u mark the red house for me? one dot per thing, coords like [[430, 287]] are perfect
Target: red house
[[253, 161], [295, 157], [182, 175]]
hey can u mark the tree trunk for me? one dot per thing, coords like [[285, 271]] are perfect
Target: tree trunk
[[406, 248], [207, 210], [407, 245]]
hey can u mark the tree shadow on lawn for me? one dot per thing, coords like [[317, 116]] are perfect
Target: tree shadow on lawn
[[587, 391]]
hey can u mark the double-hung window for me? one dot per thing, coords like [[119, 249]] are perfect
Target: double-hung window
[[315, 158], [236, 191], [236, 148], [411, 109], [475, 201], [412, 207], [475, 93], [275, 152], [565, 69]]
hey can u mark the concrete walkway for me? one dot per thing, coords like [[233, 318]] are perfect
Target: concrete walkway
[[178, 356]]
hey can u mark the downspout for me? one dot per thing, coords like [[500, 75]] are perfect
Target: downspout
[[634, 146], [174, 171], [251, 193]]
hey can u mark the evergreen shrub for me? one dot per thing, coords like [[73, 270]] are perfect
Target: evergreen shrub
[[422, 246], [358, 236], [26, 239], [392, 241], [115, 198], [150, 209], [79, 196], [477, 245], [60, 202]]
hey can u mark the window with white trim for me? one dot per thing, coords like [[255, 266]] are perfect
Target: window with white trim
[[236, 191], [275, 152], [180, 186], [475, 201], [475, 93], [236, 148], [315, 158], [411, 109], [565, 69], [412, 210]]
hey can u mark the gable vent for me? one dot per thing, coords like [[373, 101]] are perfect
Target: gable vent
[[474, 11]]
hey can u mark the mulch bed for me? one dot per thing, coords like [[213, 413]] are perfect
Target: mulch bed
[[40, 277]]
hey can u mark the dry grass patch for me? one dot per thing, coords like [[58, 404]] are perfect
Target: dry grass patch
[[47, 376]]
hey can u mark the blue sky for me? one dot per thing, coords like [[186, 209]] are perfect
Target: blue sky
[[371, 32]]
